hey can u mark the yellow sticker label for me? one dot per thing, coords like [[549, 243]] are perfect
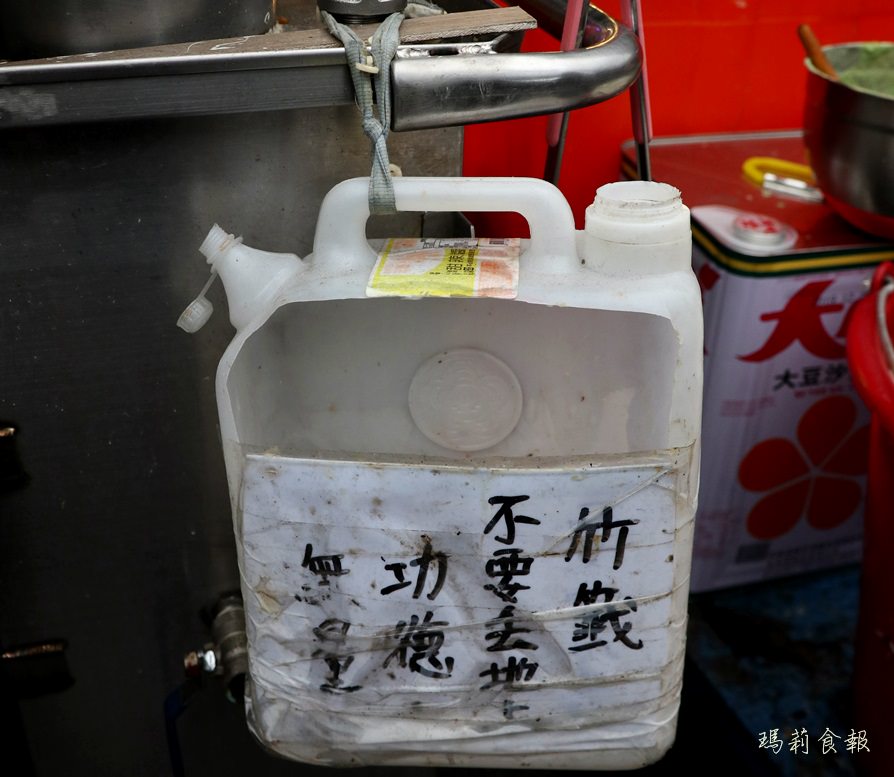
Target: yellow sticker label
[[452, 267]]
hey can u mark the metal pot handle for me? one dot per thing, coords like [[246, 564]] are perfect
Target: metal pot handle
[[444, 91]]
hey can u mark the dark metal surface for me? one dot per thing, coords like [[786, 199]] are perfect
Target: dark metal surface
[[360, 11], [123, 533], [53, 27], [192, 95]]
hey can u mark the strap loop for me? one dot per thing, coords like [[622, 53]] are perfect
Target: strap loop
[[371, 76]]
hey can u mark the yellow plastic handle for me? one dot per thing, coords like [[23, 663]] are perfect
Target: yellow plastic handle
[[755, 167]]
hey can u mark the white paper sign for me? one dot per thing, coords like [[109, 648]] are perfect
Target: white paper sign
[[419, 591]]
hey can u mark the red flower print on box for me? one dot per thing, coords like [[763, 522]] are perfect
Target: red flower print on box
[[813, 477]]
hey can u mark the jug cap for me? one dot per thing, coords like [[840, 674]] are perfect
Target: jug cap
[[199, 310], [196, 315]]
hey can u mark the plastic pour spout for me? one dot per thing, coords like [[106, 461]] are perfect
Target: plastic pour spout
[[251, 279]]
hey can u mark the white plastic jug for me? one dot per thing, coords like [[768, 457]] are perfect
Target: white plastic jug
[[465, 523]]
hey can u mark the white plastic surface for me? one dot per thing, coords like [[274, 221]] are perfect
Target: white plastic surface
[[465, 399], [638, 212], [378, 562], [196, 315], [200, 310], [252, 278], [636, 228], [340, 244]]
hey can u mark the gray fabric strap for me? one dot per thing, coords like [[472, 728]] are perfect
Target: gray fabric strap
[[382, 47]]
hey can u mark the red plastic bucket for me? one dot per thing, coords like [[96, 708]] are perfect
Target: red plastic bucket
[[871, 357]]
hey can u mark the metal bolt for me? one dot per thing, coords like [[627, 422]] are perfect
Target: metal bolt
[[209, 660]]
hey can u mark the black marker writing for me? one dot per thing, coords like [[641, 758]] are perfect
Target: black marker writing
[[504, 629], [505, 514], [591, 626], [323, 567], [506, 564], [420, 641], [606, 525], [515, 671], [424, 562]]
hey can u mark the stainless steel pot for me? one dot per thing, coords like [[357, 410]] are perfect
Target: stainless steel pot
[[849, 134], [56, 27]]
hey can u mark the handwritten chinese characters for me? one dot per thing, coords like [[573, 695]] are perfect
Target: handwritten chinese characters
[[589, 530], [419, 647], [596, 622], [589, 627], [503, 633], [459, 594], [422, 563], [331, 635]]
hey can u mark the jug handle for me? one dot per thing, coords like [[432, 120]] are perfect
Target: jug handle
[[340, 243]]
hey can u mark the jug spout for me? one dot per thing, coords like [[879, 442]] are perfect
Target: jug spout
[[252, 278], [637, 228]]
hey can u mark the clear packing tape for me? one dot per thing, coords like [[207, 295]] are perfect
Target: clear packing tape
[[443, 614]]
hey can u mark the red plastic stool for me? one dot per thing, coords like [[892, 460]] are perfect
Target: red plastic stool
[[871, 357]]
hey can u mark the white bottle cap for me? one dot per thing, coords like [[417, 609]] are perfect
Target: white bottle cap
[[196, 315], [198, 311]]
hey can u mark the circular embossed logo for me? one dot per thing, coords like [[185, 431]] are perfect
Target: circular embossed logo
[[465, 399]]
